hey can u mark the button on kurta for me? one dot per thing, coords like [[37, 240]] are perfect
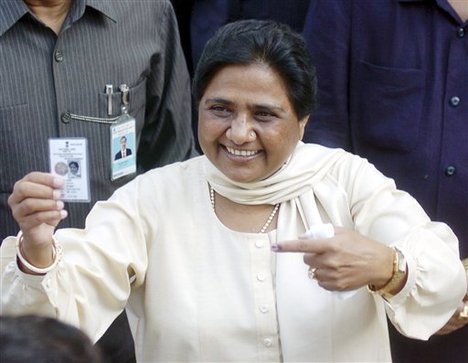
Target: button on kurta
[[259, 243], [455, 101], [450, 170], [261, 276], [460, 32], [58, 56], [267, 342], [264, 308]]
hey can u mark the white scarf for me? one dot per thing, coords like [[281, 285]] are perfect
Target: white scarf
[[293, 187]]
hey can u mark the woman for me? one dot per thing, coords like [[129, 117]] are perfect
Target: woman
[[186, 248]]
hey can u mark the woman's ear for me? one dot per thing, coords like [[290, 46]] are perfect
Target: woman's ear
[[302, 126]]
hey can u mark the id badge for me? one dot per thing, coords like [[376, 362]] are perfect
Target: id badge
[[69, 159], [123, 150]]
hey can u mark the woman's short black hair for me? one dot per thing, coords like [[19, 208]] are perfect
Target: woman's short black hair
[[246, 42]]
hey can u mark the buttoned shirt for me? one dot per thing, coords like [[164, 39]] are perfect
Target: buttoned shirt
[[49, 82], [393, 87]]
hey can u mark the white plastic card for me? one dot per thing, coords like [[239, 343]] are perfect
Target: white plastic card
[[69, 159]]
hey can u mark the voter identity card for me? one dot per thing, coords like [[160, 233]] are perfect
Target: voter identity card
[[69, 159], [123, 150]]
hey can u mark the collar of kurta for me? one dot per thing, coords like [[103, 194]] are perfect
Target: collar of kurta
[[307, 165]]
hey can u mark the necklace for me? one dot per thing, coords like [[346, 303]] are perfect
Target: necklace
[[267, 223]]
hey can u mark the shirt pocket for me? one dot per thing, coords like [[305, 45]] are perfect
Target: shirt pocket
[[137, 109], [386, 106], [137, 100]]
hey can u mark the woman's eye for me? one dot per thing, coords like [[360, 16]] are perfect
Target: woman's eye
[[264, 116], [220, 110]]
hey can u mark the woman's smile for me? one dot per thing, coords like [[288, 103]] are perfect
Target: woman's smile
[[246, 154]]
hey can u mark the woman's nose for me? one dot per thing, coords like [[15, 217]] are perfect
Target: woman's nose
[[241, 131]]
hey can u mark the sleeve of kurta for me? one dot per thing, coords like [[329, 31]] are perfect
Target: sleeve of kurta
[[92, 282], [436, 280], [167, 135]]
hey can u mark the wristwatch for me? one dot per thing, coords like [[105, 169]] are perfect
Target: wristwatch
[[399, 275]]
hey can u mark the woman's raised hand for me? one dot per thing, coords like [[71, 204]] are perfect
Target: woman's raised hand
[[37, 209]]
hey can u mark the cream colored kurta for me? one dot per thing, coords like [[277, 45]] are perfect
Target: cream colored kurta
[[200, 292]]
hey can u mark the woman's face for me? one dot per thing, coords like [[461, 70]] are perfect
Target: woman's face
[[247, 125]]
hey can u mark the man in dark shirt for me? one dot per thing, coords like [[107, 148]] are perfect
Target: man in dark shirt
[[393, 87], [57, 57]]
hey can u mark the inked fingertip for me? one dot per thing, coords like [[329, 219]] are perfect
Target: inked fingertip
[[275, 247]]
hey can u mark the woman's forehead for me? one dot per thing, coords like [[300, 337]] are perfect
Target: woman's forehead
[[254, 78]]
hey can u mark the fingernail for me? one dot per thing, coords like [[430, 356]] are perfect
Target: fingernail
[[59, 182], [63, 214], [275, 247], [60, 205], [56, 194]]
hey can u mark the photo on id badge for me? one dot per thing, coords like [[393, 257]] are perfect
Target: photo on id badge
[[123, 149]]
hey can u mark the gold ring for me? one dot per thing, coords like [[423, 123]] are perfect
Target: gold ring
[[311, 272]]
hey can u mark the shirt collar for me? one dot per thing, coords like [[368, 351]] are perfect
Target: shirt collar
[[106, 8], [13, 10], [10, 13]]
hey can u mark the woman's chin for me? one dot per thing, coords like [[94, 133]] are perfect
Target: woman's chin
[[239, 176]]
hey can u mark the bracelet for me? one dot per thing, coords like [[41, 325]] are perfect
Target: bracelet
[[56, 256]]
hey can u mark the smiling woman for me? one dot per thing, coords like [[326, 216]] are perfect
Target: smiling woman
[[221, 288], [255, 96], [247, 125]]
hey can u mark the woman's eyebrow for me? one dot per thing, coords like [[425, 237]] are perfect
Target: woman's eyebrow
[[261, 106], [218, 100], [270, 107]]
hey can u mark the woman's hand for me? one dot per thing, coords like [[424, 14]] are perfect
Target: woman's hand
[[458, 320], [460, 317], [345, 261], [37, 209]]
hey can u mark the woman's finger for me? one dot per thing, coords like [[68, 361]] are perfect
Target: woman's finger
[[36, 185]]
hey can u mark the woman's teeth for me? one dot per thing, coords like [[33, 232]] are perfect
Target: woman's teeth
[[241, 152]]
